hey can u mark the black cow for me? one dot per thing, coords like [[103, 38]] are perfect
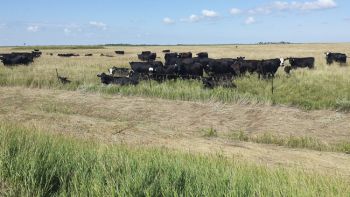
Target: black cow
[[103, 55], [107, 79], [36, 53], [144, 68], [18, 58], [171, 59], [335, 57], [119, 71], [166, 51], [165, 73], [89, 54], [210, 82], [189, 68], [220, 68], [33, 54], [250, 66], [242, 66], [120, 52], [185, 55], [147, 56], [68, 55], [202, 55], [11, 59], [269, 67], [302, 62]]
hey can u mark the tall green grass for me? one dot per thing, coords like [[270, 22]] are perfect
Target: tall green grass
[[291, 141], [303, 90], [37, 164]]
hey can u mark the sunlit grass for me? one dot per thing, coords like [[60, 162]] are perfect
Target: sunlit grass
[[302, 142], [37, 164], [325, 87]]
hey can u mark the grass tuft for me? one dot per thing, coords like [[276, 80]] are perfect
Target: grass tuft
[[211, 132]]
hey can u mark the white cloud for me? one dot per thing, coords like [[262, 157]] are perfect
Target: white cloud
[[318, 5], [98, 25], [192, 19], [301, 6], [67, 31], [309, 5], [260, 10], [249, 20], [72, 29], [33, 28], [206, 14], [209, 13], [235, 11], [168, 20]]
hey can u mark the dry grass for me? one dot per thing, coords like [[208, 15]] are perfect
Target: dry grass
[[192, 126], [326, 87], [188, 126]]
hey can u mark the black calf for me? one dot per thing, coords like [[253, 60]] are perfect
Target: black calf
[[107, 79]]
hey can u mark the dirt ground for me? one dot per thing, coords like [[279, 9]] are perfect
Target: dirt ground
[[179, 125]]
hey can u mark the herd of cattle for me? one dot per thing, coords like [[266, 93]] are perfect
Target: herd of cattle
[[185, 66], [219, 71]]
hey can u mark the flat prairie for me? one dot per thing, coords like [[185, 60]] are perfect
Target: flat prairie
[[304, 125]]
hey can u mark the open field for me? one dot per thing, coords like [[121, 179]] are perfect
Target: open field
[[326, 87], [175, 137]]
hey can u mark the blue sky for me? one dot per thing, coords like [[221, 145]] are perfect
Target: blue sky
[[44, 22]]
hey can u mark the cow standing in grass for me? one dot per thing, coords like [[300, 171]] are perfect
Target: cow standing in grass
[[335, 57], [268, 68], [17, 58], [300, 62], [220, 68]]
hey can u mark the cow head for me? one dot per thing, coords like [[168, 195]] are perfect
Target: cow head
[[282, 61], [111, 70], [240, 58], [101, 75], [327, 53]]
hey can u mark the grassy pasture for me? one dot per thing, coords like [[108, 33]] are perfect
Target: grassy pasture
[[326, 87], [37, 164], [34, 163]]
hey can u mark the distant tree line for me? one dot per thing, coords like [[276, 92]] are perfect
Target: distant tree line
[[266, 43]]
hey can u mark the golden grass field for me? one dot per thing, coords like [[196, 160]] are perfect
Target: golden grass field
[[325, 87], [257, 127]]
